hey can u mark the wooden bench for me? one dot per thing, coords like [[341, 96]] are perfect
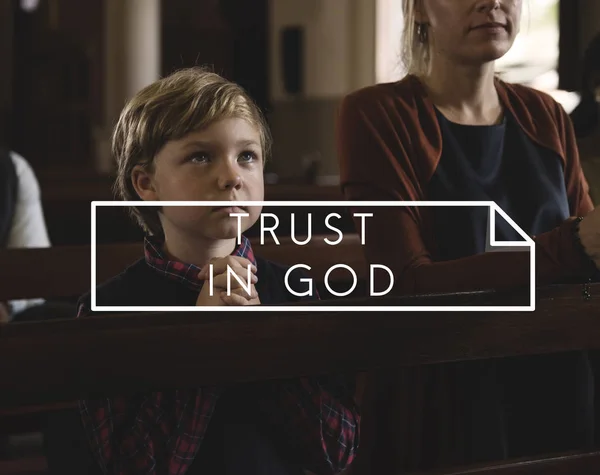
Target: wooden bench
[[244, 346], [66, 272], [569, 463], [60, 272], [257, 346], [563, 322]]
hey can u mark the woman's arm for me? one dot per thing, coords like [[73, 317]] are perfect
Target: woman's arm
[[376, 165], [578, 190]]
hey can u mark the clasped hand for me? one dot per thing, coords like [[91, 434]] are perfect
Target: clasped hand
[[238, 294]]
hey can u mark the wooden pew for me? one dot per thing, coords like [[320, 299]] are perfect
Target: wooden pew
[[580, 463], [112, 258], [60, 272], [66, 271], [235, 347], [569, 463]]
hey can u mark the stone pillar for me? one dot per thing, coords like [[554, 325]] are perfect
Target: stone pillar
[[132, 61], [141, 44], [362, 37], [339, 56], [326, 45]]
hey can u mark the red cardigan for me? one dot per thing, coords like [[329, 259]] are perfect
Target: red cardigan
[[389, 144]]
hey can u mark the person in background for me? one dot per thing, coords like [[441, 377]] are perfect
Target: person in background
[[21, 225], [452, 131], [586, 117], [22, 222]]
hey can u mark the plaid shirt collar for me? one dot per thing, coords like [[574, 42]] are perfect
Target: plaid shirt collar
[[187, 274]]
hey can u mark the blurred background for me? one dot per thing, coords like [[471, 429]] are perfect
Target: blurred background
[[68, 66]]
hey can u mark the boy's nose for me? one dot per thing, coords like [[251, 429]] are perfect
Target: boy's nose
[[488, 5], [229, 177]]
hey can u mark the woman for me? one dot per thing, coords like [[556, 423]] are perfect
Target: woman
[[450, 130]]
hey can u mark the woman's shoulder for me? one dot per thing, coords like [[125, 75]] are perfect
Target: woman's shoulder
[[384, 89], [405, 91], [540, 116], [395, 104], [528, 99]]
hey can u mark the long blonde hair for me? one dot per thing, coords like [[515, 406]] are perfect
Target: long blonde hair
[[416, 53]]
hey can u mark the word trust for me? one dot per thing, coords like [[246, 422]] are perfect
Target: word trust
[[307, 282], [264, 229]]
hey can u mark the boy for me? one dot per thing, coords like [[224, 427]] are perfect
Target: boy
[[195, 136]]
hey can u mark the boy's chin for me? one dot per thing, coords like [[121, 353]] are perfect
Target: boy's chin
[[224, 232], [224, 235]]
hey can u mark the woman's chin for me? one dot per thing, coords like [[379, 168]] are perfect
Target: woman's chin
[[487, 52], [493, 51]]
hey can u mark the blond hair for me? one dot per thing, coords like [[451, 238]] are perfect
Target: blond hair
[[169, 109], [416, 54]]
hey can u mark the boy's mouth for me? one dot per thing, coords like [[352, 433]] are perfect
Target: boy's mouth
[[229, 209]]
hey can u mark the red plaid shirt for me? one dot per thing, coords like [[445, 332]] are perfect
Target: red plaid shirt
[[161, 432]]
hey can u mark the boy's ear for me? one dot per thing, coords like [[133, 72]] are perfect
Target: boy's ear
[[143, 183]]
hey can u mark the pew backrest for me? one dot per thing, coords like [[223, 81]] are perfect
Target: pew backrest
[[65, 271], [248, 347]]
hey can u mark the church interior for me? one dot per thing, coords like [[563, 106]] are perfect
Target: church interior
[[70, 66]]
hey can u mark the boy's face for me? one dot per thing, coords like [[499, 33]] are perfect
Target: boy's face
[[222, 162]]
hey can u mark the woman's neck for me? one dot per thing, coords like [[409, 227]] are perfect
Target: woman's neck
[[464, 94]]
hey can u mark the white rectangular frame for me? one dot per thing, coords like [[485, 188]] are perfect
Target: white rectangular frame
[[494, 208]]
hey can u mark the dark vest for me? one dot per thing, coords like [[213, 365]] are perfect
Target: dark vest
[[139, 285], [236, 440]]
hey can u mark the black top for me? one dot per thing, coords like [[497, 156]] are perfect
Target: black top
[[236, 440], [494, 163], [141, 285], [513, 407]]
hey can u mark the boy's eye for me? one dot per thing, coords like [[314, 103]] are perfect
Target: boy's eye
[[200, 158], [248, 156]]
